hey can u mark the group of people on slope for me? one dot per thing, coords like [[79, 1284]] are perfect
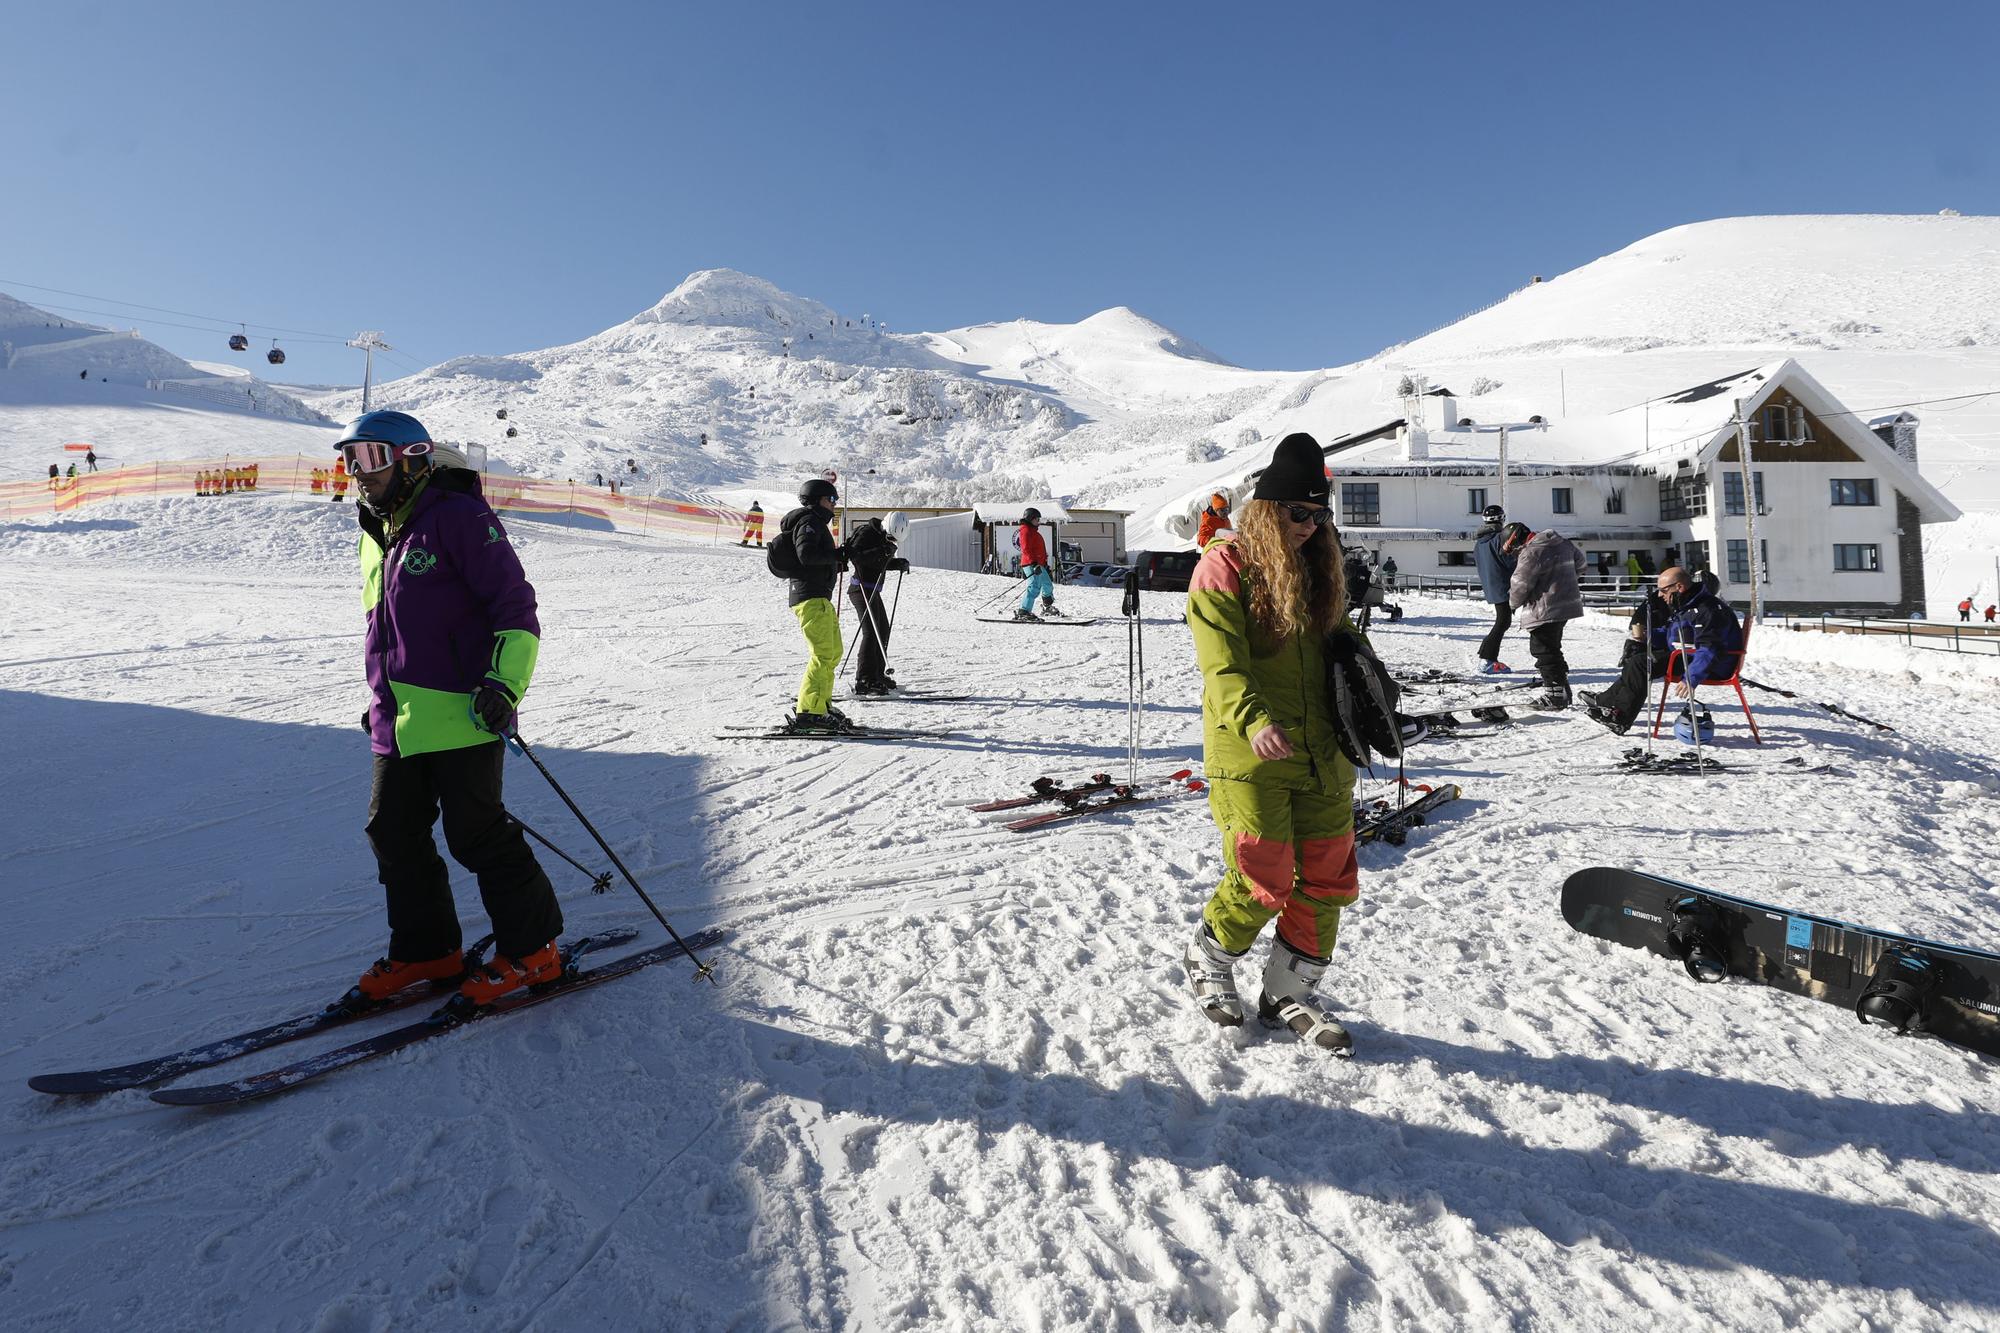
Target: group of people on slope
[[1965, 609], [1533, 580]]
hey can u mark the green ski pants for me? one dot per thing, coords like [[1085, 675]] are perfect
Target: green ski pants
[[821, 626], [1291, 856]]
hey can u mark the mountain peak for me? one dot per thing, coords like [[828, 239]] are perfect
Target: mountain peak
[[723, 296]]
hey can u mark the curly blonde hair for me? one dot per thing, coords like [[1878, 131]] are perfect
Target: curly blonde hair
[[1291, 592]]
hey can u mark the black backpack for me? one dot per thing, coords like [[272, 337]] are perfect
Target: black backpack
[[1362, 697], [782, 558]]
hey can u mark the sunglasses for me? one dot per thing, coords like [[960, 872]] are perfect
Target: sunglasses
[[1317, 515], [365, 456]]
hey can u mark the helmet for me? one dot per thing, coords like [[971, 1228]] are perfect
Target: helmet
[[817, 489], [375, 441], [1031, 515], [1693, 717], [1493, 514], [1514, 532], [897, 523]]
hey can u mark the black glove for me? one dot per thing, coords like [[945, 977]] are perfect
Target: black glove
[[899, 565], [364, 723], [493, 708]]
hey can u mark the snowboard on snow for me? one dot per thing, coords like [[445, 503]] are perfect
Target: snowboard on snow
[[1890, 980]]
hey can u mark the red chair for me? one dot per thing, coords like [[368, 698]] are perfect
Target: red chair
[[1735, 681]]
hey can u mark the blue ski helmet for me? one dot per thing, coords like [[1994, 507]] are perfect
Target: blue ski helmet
[[375, 441], [1691, 717], [384, 427]]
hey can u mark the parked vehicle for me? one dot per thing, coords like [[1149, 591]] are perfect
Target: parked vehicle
[[1165, 571], [1097, 574]]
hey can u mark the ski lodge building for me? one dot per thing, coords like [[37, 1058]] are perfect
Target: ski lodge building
[[1839, 504]]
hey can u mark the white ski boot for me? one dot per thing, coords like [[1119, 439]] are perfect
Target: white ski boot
[[1211, 974], [1288, 1000]]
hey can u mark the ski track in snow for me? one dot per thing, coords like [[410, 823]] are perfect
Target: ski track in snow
[[949, 1079]]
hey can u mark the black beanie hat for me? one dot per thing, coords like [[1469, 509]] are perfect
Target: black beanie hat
[[1297, 471]]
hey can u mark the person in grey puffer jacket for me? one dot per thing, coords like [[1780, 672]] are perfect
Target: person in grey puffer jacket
[[1545, 596], [1495, 572]]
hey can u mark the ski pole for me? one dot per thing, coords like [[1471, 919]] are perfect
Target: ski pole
[[599, 882], [1135, 674], [702, 971]]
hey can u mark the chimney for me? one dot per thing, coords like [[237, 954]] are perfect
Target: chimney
[[1416, 443], [1899, 432]]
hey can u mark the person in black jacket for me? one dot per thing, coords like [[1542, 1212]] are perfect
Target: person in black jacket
[[812, 603], [871, 556]]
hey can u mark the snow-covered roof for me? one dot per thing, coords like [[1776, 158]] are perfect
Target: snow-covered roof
[[1010, 511]]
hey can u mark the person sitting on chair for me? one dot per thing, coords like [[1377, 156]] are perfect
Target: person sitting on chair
[[1680, 613]]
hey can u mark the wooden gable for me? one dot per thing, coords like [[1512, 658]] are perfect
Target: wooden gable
[[1824, 446]]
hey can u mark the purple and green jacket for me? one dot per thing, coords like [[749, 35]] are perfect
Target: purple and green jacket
[[449, 608]]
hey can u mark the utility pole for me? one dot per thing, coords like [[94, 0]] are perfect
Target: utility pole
[[1749, 512], [1503, 471], [369, 341]]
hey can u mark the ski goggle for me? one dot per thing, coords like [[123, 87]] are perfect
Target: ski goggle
[[365, 456], [1317, 515]]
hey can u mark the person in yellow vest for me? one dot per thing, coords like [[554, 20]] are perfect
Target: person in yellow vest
[[200, 482], [253, 476], [753, 526], [315, 481], [339, 482]]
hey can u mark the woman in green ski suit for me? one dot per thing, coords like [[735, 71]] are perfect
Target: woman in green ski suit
[[1260, 604]]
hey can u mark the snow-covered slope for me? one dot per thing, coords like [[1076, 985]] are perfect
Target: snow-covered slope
[[949, 1079]]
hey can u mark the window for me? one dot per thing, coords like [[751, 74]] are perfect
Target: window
[[1559, 499], [1856, 558], [1614, 503], [1683, 495], [1694, 556], [1360, 504], [1854, 490], [1739, 560], [1604, 562], [1732, 493], [1475, 500], [1777, 422], [1455, 560]]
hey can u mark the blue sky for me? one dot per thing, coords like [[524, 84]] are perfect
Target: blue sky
[[1290, 185]]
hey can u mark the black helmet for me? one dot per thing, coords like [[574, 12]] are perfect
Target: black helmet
[[1493, 514], [817, 489], [1031, 515], [1514, 533]]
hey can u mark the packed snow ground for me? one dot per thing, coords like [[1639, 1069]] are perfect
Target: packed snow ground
[[949, 1079]]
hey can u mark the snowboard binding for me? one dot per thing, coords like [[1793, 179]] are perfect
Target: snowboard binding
[[1902, 981], [1696, 939]]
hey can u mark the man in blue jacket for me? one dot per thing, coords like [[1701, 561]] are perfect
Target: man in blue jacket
[[1682, 613], [1496, 573]]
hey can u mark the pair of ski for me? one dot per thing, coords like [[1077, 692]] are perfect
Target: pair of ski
[[1038, 620], [1095, 796], [853, 731], [348, 1009], [1686, 763], [1392, 824]]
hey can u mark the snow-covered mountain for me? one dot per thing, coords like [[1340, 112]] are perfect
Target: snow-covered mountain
[[730, 384], [40, 351]]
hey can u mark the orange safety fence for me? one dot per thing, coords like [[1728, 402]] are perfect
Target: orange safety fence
[[642, 515]]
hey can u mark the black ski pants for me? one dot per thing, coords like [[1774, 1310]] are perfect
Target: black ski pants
[[872, 658], [403, 804], [1489, 647], [1546, 643], [1636, 669]]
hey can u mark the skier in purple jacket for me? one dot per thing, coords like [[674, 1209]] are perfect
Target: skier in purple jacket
[[451, 645]]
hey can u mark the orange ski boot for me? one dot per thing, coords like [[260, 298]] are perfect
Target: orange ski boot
[[505, 975], [388, 976]]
